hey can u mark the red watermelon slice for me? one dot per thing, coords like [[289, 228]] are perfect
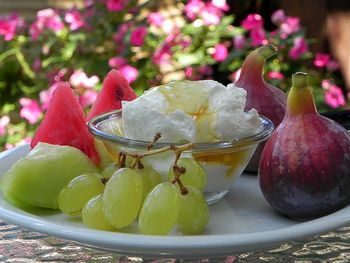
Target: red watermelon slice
[[115, 89], [64, 123]]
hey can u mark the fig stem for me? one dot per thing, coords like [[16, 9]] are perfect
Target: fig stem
[[267, 51], [299, 80], [300, 98]]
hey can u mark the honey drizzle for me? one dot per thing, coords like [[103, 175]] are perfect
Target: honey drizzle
[[231, 159]]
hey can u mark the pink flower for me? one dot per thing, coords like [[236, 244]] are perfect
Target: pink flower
[[321, 60], [45, 96], [299, 48], [326, 84], [36, 64], [332, 65], [252, 21], [74, 19], [9, 26], [258, 37], [79, 79], [289, 26], [188, 72], [119, 36], [87, 98], [275, 75], [116, 62], [129, 72], [334, 97], [115, 5], [156, 19], [192, 8], [162, 55], [210, 15], [46, 19], [221, 4], [30, 110], [4, 121], [220, 52], [239, 42], [137, 36], [278, 17]]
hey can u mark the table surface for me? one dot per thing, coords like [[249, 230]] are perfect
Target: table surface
[[19, 245]]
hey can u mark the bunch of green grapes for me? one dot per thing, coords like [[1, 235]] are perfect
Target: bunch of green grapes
[[118, 196]]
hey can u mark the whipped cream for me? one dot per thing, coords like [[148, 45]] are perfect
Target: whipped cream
[[197, 111]]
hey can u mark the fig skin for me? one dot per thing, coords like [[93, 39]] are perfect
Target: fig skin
[[304, 170], [268, 100]]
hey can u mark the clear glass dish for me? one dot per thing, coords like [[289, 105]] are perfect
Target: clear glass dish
[[222, 161]]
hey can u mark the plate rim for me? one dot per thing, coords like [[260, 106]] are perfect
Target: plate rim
[[172, 246]]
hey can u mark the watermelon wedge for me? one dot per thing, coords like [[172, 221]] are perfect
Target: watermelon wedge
[[64, 123], [115, 89]]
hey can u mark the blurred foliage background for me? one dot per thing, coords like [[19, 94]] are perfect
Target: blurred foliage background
[[150, 43]]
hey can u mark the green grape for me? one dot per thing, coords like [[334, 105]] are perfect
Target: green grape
[[194, 175], [92, 214], [109, 170], [150, 179], [122, 197], [78, 192], [194, 212], [160, 210]]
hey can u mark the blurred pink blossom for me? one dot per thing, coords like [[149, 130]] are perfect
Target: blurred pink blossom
[[253, 21], [81, 80], [129, 72], [299, 48], [75, 20], [87, 98], [321, 60], [45, 96], [258, 37], [188, 72], [220, 52], [156, 19], [162, 55], [239, 42], [36, 64], [334, 97], [30, 110], [326, 84], [192, 8], [9, 26], [275, 75], [289, 26], [332, 65], [221, 4], [137, 36], [115, 5], [119, 36], [278, 17], [210, 14], [4, 121], [116, 62], [46, 19]]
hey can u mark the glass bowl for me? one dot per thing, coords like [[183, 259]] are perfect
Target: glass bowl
[[222, 161]]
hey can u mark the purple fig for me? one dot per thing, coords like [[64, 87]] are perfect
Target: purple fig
[[265, 98], [304, 169]]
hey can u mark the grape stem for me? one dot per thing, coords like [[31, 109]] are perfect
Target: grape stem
[[178, 149]]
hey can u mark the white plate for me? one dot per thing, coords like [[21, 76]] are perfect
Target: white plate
[[242, 222]]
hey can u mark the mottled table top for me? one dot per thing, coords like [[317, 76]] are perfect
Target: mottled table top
[[19, 245]]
